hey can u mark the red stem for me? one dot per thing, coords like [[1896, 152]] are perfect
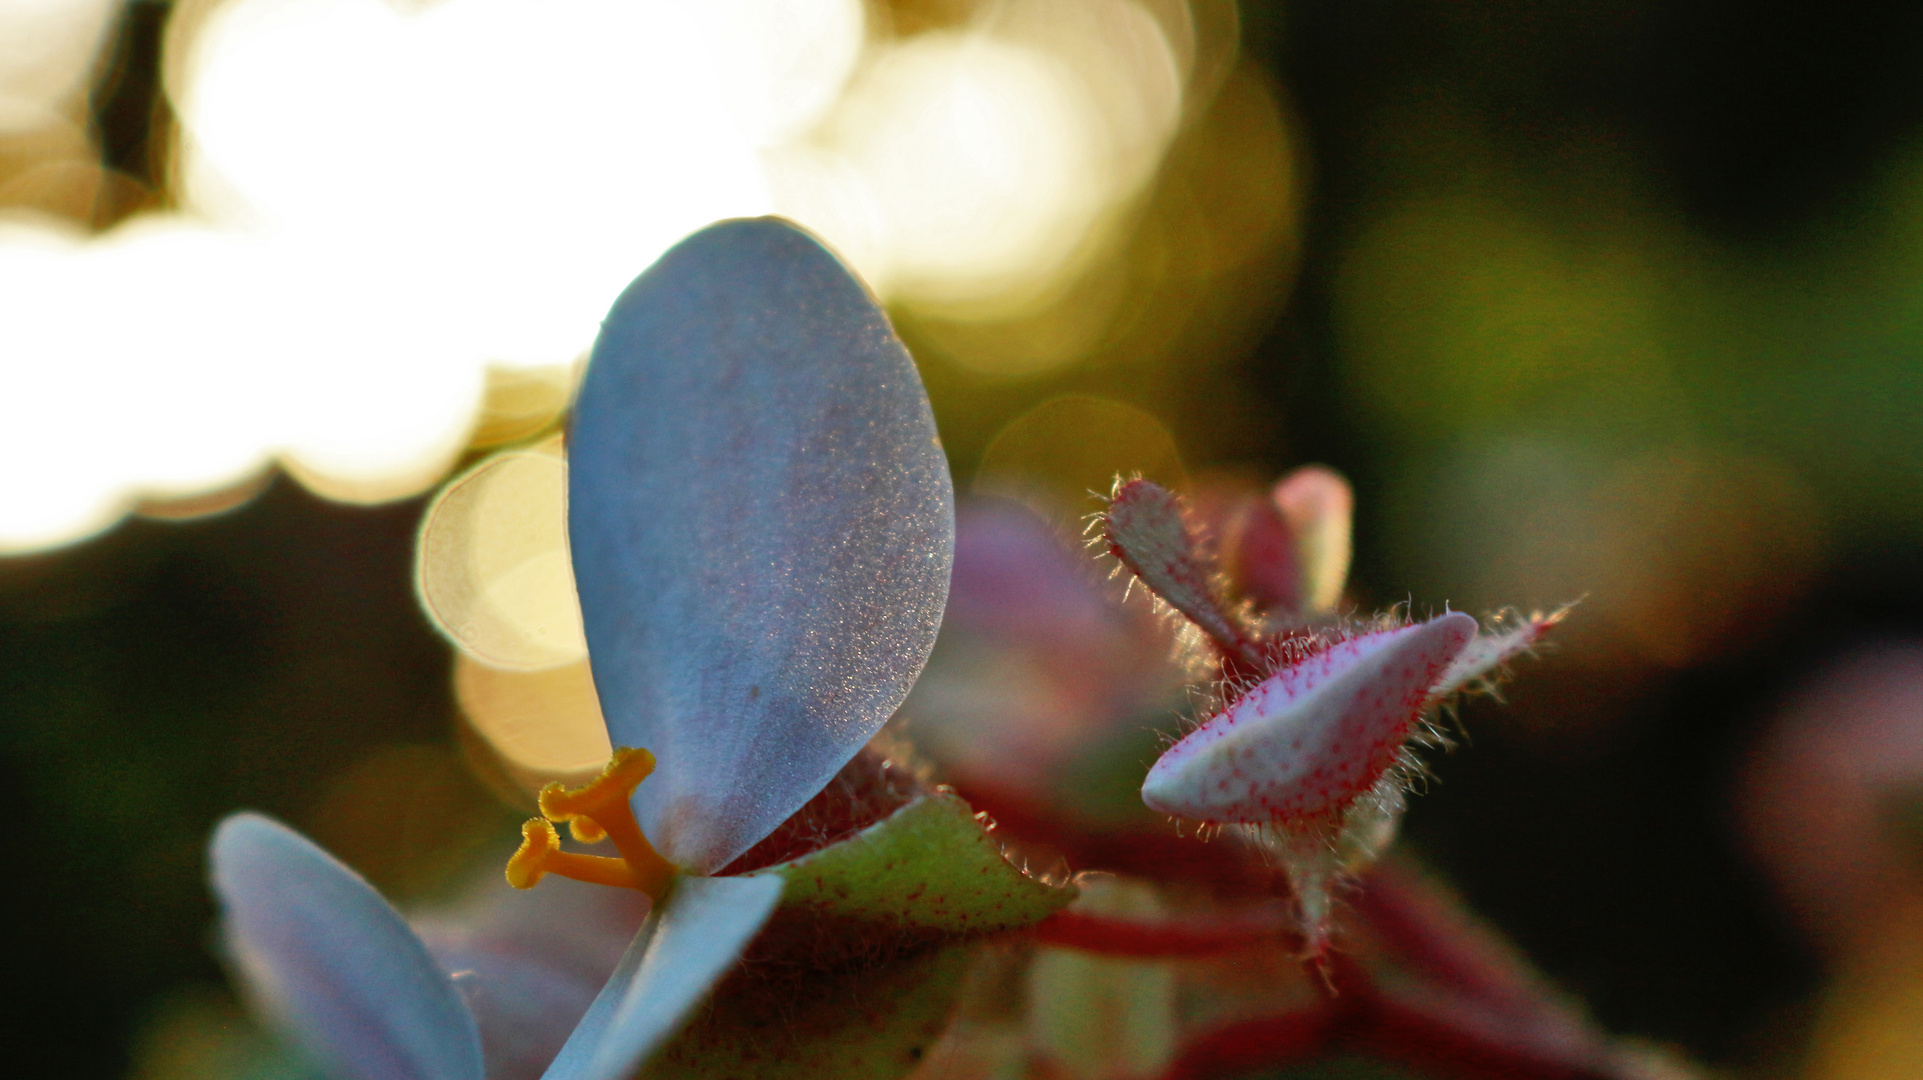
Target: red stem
[[1146, 939], [1403, 1034], [1253, 1044], [1359, 1018]]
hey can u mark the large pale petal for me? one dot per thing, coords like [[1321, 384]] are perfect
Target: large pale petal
[[683, 950], [335, 963], [762, 525]]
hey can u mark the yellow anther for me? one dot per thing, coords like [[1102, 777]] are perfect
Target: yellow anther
[[594, 812], [529, 865], [616, 784], [541, 855]]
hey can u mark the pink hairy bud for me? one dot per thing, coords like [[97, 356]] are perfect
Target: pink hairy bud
[[1147, 530], [1311, 750], [1311, 739]]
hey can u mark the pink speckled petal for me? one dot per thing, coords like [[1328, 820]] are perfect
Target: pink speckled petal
[[1319, 507], [1310, 739], [1145, 527]]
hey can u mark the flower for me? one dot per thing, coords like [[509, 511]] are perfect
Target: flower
[[761, 523], [1310, 740]]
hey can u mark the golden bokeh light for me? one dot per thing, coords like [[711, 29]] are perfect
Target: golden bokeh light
[[216, 362], [971, 171], [540, 725], [492, 563], [524, 159], [783, 63], [1063, 454], [1185, 283], [520, 402], [73, 188]]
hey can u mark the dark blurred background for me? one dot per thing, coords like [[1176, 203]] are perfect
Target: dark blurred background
[[1612, 299]]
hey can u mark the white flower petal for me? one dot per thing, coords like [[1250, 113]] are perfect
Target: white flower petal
[[336, 963], [762, 525], [687, 944]]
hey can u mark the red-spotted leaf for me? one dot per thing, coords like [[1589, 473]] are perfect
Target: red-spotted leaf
[[858, 969], [1310, 739]]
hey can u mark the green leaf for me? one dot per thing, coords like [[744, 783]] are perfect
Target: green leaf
[[857, 972], [928, 871]]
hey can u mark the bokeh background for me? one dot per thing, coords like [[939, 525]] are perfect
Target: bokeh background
[[1613, 300]]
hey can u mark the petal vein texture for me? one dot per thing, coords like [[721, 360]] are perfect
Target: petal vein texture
[[762, 525], [334, 963]]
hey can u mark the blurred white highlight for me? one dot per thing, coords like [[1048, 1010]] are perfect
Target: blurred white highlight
[[384, 203], [47, 49], [968, 172]]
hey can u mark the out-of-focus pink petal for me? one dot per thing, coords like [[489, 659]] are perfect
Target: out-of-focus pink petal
[[1014, 576], [1037, 661], [529, 962], [1817, 794], [1260, 557], [1319, 507]]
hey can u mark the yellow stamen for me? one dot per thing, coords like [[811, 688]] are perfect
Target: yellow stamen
[[595, 812], [541, 855]]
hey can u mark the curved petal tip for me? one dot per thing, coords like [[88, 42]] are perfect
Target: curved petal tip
[[334, 963]]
